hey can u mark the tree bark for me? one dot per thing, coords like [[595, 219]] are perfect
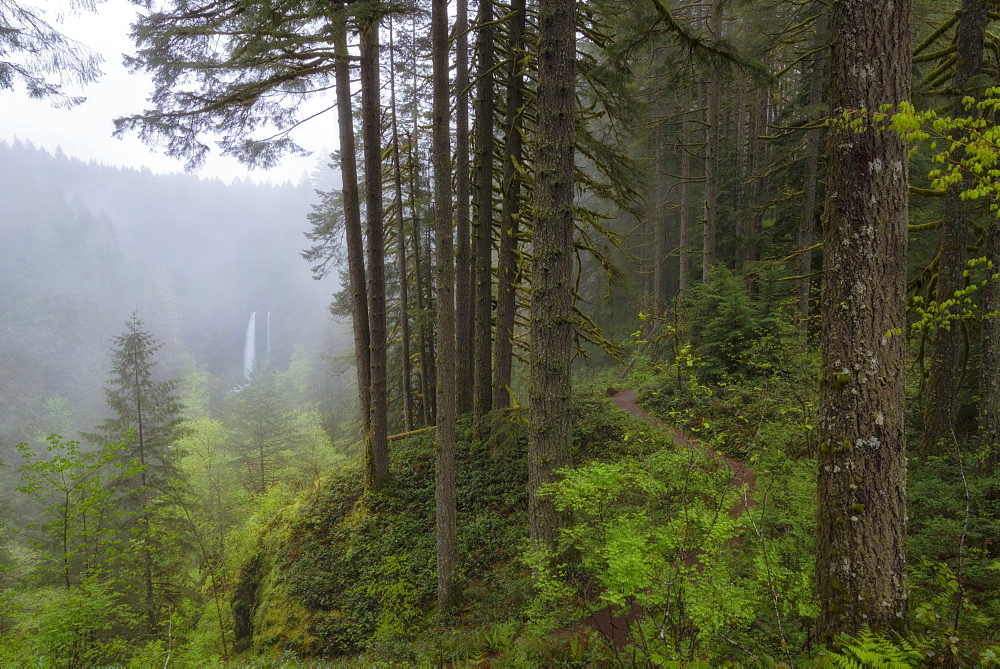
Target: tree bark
[[551, 327], [404, 313], [942, 384], [989, 376], [352, 226], [684, 213], [482, 342], [711, 152], [447, 407], [377, 451], [463, 289], [810, 180], [861, 541], [507, 269]]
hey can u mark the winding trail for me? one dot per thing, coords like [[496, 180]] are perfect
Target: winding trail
[[743, 478], [614, 624]]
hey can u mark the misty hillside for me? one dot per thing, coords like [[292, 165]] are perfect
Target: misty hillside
[[82, 246]]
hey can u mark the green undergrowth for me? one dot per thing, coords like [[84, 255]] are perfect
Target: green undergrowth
[[953, 509], [344, 575]]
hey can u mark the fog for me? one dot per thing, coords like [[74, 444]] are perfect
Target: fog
[[83, 246]]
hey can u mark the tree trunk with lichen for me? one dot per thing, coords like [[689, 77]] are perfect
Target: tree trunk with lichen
[[861, 541], [551, 327]]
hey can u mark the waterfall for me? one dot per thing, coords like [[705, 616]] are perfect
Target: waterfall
[[250, 346], [269, 333]]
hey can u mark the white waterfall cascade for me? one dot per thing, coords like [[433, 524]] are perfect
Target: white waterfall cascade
[[250, 346]]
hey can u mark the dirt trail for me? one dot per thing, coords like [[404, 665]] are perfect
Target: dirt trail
[[612, 622], [743, 478]]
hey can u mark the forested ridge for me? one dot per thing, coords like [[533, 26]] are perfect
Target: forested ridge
[[674, 340]]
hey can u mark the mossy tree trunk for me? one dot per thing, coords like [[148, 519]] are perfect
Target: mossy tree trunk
[[861, 542], [377, 447], [352, 223], [507, 259], [551, 327], [483, 223]]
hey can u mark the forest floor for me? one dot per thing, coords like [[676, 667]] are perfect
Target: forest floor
[[610, 621]]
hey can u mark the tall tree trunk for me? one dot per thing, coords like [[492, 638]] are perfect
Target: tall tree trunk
[[447, 407], [377, 456], [711, 152], [942, 384], [861, 542], [404, 314], [483, 396], [684, 213], [422, 338], [463, 273], [352, 225], [551, 328], [507, 261], [810, 179], [989, 375]]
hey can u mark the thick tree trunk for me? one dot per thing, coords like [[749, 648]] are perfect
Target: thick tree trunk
[[404, 313], [942, 384], [551, 329], [507, 270], [447, 407], [482, 342], [463, 288], [861, 541], [352, 227], [377, 455]]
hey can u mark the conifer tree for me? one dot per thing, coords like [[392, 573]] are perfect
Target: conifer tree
[[146, 417]]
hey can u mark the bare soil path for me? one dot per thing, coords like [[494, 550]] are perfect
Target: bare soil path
[[610, 621], [743, 478]]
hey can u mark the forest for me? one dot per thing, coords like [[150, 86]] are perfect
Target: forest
[[642, 334]]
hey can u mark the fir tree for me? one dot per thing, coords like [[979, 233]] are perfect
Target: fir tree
[[146, 417]]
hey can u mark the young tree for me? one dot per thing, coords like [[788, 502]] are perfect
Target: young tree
[[146, 417], [861, 541]]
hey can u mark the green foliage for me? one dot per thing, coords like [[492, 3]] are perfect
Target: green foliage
[[654, 533], [78, 627], [868, 649], [733, 335], [80, 511]]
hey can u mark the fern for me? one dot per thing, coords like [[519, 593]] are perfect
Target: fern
[[870, 649]]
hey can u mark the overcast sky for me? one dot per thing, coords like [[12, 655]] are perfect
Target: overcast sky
[[85, 131]]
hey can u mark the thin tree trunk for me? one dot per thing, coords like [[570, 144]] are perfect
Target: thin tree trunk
[[551, 328], [861, 538], [942, 384], [463, 289], [810, 181], [684, 214], [404, 314], [507, 262], [483, 396], [711, 152], [447, 407], [989, 375], [422, 338], [377, 456]]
